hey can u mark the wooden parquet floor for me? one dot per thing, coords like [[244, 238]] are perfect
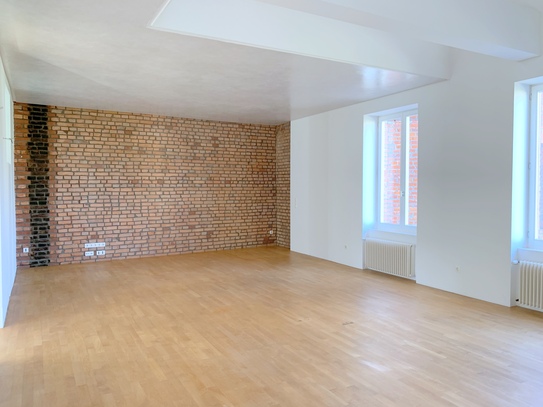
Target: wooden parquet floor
[[258, 327]]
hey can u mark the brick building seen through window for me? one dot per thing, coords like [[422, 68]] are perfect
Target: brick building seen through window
[[398, 169]]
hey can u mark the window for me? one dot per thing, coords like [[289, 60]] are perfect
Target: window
[[397, 172], [535, 226]]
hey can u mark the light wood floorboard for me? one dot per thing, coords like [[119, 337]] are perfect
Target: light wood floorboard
[[258, 327]]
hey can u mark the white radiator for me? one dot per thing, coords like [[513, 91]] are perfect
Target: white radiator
[[389, 257], [531, 285]]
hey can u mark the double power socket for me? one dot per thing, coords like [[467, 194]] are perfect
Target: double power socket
[[93, 245]]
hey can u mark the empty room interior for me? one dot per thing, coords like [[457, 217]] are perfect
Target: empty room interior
[[271, 203]]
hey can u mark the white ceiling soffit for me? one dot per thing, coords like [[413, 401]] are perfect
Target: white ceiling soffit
[[267, 26], [358, 31]]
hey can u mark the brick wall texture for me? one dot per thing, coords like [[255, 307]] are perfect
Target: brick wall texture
[[282, 147], [150, 185]]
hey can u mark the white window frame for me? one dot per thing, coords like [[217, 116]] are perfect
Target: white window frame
[[402, 227], [533, 165]]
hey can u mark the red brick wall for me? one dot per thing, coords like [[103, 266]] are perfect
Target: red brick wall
[[22, 182], [283, 185], [150, 185]]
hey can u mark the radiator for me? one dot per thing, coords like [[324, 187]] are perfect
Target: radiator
[[389, 257], [531, 285]]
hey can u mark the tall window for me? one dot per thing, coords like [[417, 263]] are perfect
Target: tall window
[[398, 166], [535, 227]]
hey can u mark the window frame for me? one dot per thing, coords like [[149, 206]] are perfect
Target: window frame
[[533, 160], [402, 227]]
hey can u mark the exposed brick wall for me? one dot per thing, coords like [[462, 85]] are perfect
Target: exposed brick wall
[[149, 185], [22, 182], [283, 185]]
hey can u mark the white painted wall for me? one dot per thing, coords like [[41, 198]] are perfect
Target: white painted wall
[[465, 178], [7, 198], [326, 178]]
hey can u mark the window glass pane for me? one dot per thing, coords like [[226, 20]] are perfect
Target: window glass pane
[[539, 168], [412, 168], [391, 152]]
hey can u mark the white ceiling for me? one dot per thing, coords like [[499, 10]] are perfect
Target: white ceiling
[[257, 61]]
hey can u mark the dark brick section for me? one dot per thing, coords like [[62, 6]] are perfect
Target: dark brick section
[[38, 186]]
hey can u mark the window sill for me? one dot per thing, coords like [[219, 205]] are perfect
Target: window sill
[[392, 236], [530, 255]]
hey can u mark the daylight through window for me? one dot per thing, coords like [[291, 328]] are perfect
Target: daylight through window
[[536, 165]]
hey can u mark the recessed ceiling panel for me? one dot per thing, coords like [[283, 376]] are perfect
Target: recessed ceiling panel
[[266, 26]]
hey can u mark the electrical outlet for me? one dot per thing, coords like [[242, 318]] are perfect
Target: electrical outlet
[[100, 252], [25, 249], [91, 253]]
